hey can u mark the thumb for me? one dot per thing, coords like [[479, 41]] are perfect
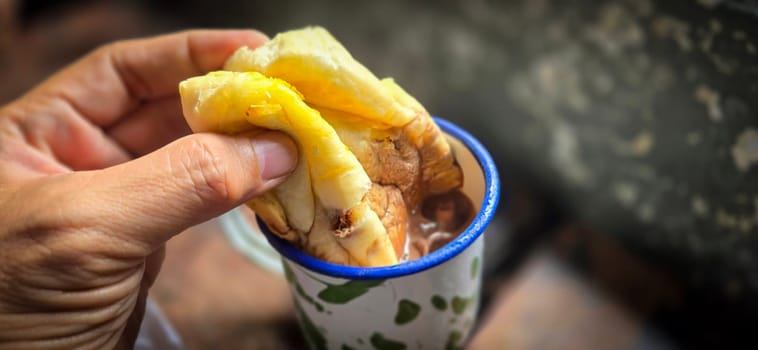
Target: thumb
[[189, 181]]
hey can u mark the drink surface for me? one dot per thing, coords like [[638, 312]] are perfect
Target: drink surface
[[438, 221]]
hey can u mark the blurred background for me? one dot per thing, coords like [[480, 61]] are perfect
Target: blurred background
[[626, 133]]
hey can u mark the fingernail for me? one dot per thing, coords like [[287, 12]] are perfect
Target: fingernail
[[276, 154]]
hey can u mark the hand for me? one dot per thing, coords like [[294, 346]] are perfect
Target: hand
[[82, 224]]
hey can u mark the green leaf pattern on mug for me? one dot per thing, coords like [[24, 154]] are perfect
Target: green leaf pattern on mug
[[460, 304], [290, 275], [313, 335], [454, 340], [439, 302], [308, 298], [344, 293], [379, 342], [406, 311], [474, 268]]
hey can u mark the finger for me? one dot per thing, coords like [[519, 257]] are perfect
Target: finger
[[189, 181], [19, 162], [151, 127], [83, 146], [54, 129], [115, 79]]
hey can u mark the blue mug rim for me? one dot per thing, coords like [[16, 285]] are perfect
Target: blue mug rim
[[447, 252]]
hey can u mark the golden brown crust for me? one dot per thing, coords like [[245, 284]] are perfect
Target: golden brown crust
[[271, 212], [396, 162], [387, 202], [439, 171]]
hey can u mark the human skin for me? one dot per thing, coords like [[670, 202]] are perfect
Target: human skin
[[97, 171]]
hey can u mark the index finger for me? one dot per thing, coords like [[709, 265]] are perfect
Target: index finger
[[115, 79]]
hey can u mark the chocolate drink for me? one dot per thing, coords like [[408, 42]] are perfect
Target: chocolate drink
[[441, 219]]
